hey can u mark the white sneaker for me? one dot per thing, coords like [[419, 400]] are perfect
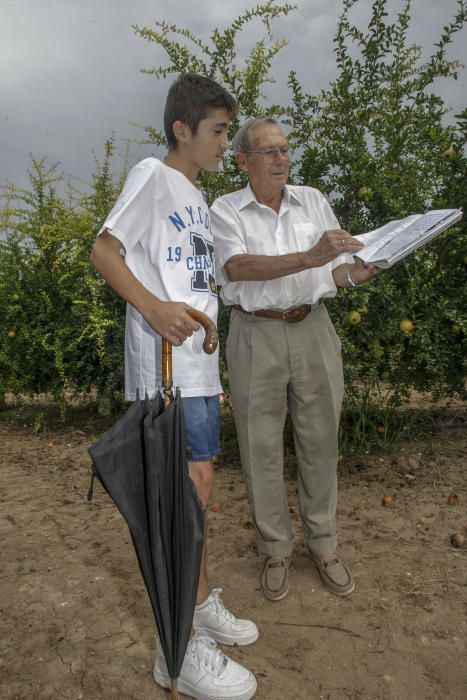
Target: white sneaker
[[207, 674], [213, 618]]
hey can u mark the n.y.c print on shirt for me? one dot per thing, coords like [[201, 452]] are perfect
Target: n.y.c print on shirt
[[200, 260]]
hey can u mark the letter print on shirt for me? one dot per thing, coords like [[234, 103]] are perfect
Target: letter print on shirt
[[201, 263]]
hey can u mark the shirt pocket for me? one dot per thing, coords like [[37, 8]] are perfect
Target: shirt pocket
[[306, 235]]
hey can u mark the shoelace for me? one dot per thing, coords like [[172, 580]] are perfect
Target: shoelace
[[208, 654], [219, 605]]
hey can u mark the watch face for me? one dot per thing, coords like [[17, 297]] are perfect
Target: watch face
[[213, 287]]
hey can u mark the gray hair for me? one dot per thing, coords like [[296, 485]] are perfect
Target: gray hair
[[241, 141]]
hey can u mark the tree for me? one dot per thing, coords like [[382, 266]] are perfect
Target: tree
[[376, 141], [378, 144], [62, 326]]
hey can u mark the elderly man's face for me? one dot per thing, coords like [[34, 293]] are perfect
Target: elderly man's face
[[266, 165]]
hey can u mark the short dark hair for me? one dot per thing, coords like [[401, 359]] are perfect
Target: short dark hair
[[189, 99]]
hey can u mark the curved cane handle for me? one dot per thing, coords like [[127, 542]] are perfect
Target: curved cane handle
[[210, 342], [211, 338]]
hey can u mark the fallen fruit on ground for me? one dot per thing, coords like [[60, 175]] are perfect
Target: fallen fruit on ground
[[457, 540], [381, 429], [388, 501]]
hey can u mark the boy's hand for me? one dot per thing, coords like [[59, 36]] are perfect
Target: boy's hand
[[168, 319], [171, 320]]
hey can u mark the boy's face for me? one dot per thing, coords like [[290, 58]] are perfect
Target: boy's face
[[206, 148]]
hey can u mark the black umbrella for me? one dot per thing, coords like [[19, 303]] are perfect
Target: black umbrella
[[142, 463]]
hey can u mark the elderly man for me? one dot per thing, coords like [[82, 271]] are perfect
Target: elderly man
[[280, 251]]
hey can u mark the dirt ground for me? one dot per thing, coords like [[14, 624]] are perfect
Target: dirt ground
[[75, 621]]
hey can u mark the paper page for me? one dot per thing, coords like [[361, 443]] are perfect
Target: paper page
[[375, 240], [395, 240], [422, 229]]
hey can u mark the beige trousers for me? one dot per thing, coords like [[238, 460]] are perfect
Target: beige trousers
[[274, 367]]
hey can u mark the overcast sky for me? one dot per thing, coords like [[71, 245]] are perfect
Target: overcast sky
[[70, 69]]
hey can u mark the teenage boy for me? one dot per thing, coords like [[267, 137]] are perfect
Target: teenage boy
[[155, 250]]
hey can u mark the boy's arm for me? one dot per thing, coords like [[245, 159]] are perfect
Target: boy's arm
[[167, 318]]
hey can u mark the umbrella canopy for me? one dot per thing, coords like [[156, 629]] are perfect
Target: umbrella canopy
[[141, 461]]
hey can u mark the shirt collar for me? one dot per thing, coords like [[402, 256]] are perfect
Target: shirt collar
[[248, 196]]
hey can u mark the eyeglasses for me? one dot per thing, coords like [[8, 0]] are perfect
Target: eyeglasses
[[270, 154]]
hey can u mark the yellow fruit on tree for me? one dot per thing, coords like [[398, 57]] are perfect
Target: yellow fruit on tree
[[12, 334], [455, 328], [363, 310], [406, 325], [450, 154], [353, 317], [365, 194]]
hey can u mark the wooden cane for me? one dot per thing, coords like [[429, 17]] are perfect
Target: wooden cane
[[210, 342]]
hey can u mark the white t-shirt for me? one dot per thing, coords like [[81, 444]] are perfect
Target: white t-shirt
[[164, 226], [242, 225]]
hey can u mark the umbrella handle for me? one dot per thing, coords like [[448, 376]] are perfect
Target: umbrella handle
[[211, 337], [210, 342], [167, 382]]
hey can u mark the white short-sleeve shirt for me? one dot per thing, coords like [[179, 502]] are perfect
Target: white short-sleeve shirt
[[164, 226], [242, 225]]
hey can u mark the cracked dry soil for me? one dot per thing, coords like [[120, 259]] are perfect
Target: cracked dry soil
[[75, 622]]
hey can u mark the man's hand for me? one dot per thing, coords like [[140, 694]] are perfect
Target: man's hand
[[170, 320], [332, 244], [258, 268], [360, 273]]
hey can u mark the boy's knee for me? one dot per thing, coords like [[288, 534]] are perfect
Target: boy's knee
[[202, 475]]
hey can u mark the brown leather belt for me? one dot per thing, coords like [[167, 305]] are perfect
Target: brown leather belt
[[290, 316]]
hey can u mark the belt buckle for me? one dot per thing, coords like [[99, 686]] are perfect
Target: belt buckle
[[291, 316], [297, 314]]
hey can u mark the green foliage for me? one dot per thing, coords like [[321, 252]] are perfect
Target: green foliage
[[378, 126], [61, 326], [218, 58], [376, 141]]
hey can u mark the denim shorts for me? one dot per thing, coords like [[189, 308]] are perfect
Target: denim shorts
[[202, 426]]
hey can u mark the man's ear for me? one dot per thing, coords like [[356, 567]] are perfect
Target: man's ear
[[242, 161], [182, 131]]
